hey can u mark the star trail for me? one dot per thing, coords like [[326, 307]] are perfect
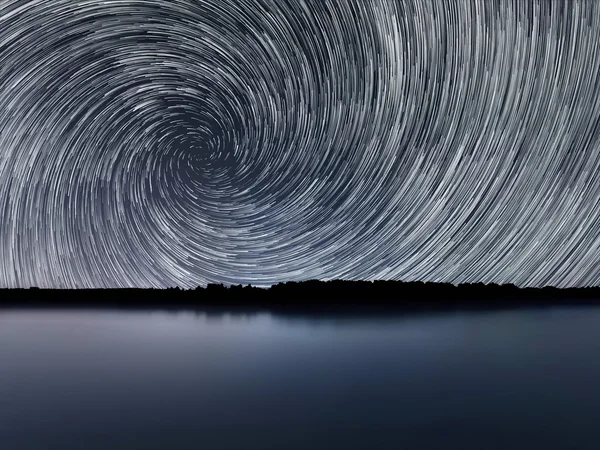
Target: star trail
[[177, 142]]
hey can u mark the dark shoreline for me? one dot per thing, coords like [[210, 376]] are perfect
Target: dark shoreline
[[351, 297]]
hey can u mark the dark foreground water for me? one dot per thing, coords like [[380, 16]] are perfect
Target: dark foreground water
[[152, 380]]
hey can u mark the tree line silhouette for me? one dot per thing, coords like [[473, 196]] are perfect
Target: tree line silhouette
[[311, 294]]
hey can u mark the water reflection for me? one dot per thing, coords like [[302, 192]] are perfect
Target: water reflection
[[188, 380]]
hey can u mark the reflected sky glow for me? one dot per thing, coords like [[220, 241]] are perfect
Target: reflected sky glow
[[160, 380]]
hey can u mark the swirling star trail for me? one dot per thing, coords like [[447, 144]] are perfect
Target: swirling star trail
[[179, 142]]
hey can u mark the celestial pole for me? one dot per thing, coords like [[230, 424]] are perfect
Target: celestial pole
[[180, 142]]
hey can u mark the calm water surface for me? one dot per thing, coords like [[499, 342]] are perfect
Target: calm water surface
[[156, 380]]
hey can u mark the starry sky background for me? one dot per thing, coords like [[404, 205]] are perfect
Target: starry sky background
[[179, 142]]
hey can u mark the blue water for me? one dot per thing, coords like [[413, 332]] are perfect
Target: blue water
[[156, 380]]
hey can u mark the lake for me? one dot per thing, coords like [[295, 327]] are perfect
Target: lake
[[91, 379]]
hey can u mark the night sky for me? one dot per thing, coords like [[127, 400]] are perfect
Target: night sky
[[179, 142]]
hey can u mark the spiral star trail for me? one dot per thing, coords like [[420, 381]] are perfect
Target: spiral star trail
[[178, 143]]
